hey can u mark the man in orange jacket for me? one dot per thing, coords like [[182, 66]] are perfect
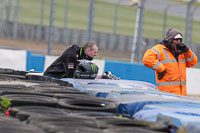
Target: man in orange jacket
[[169, 59]]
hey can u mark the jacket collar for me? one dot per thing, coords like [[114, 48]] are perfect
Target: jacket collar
[[82, 55]]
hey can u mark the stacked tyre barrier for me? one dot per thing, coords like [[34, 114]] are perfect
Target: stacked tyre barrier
[[44, 105], [142, 101]]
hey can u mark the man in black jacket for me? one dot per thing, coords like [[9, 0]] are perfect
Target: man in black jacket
[[65, 65]]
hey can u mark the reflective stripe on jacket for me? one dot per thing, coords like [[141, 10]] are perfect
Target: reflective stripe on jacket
[[160, 58]]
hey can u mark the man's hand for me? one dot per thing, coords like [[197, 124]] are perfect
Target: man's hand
[[182, 47], [99, 77], [160, 75]]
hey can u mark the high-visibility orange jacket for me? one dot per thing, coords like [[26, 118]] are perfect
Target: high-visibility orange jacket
[[160, 58]]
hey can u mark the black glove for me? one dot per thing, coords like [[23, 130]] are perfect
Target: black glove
[[160, 75], [182, 47]]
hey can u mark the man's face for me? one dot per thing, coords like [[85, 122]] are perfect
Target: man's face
[[175, 41], [92, 52]]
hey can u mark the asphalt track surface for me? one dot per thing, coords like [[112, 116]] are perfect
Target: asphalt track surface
[[160, 5]]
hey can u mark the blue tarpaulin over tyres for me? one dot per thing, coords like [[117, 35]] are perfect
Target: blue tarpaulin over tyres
[[179, 113], [142, 100]]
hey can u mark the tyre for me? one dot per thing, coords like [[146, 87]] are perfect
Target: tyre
[[61, 120], [9, 125], [35, 100], [123, 123], [13, 87], [12, 74], [88, 104], [95, 114], [24, 92], [48, 79], [52, 87], [65, 94], [128, 130], [11, 71], [23, 112], [73, 96], [69, 129]]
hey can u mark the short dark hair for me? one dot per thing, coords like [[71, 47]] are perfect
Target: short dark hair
[[89, 45]]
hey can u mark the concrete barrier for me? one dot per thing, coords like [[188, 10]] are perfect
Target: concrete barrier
[[13, 59], [126, 70], [48, 61], [35, 62], [193, 80]]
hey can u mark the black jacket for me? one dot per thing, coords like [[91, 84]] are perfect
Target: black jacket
[[65, 65]]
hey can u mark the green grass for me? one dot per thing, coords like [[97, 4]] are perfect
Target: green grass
[[104, 15]]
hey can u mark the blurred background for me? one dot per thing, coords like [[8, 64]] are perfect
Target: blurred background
[[123, 29]]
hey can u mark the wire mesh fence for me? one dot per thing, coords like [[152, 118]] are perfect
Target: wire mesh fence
[[110, 23]]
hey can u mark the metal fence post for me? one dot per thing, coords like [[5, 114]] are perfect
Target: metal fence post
[[188, 23], [65, 14], [113, 36], [137, 40], [1, 17], [115, 16], [1, 10], [38, 35], [192, 15], [15, 28], [51, 28], [165, 20], [91, 19], [65, 22], [8, 11]]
